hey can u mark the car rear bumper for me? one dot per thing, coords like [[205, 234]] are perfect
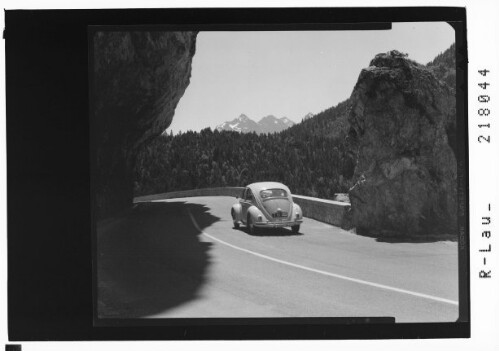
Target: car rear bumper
[[277, 224]]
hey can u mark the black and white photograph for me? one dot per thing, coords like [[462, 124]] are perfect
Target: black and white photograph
[[253, 173], [240, 175]]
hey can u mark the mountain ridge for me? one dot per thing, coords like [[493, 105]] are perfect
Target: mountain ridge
[[266, 124]]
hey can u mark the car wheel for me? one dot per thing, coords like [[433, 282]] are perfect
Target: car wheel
[[236, 223], [250, 226], [295, 228]]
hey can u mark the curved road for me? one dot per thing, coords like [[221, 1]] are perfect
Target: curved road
[[183, 258]]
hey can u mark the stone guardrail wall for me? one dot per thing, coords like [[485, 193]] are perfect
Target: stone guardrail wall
[[224, 191], [327, 211]]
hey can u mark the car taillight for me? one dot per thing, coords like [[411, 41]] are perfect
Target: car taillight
[[259, 218]]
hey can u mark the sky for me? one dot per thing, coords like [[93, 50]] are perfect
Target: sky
[[290, 73]]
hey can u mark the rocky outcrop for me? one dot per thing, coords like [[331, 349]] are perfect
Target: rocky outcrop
[[138, 79], [406, 170]]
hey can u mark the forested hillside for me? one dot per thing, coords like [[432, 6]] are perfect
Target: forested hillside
[[444, 66], [330, 123], [313, 166]]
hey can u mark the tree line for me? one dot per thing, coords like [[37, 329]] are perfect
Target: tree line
[[311, 165]]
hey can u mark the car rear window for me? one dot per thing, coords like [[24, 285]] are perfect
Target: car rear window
[[273, 193]]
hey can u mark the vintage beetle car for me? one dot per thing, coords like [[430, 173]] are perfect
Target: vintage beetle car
[[267, 205]]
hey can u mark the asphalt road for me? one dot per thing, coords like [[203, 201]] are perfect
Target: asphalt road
[[183, 258]]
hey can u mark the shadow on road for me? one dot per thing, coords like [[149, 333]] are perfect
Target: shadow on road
[[417, 239], [393, 237], [269, 232], [151, 259]]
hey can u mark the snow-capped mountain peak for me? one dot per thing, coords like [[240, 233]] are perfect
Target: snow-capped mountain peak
[[267, 124], [287, 121]]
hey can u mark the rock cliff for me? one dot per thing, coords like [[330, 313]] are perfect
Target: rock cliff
[[405, 174], [138, 79]]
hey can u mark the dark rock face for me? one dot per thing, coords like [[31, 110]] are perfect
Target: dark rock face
[[138, 79], [406, 170]]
